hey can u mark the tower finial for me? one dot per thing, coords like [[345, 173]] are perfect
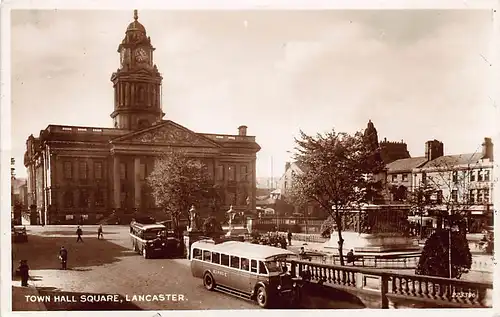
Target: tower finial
[[135, 15]]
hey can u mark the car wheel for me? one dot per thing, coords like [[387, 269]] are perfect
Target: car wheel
[[261, 297], [208, 281]]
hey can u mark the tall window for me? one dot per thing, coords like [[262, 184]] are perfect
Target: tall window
[[480, 196], [454, 195], [220, 172], [123, 171], [472, 176], [439, 196], [68, 170], [455, 176], [486, 175], [480, 175], [99, 197], [231, 169], [486, 198], [142, 171], [405, 177], [98, 170], [68, 199], [83, 170], [472, 196], [84, 198], [243, 173], [394, 177]]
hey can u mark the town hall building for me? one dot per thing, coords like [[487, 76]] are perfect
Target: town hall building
[[77, 172]]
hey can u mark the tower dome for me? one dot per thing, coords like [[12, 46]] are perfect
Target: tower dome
[[136, 25]]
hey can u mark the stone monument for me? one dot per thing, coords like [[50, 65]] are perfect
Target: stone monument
[[193, 220], [193, 232], [233, 230], [374, 230]]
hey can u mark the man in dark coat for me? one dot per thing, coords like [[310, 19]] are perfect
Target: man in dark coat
[[63, 256], [99, 233], [79, 233], [24, 272], [289, 237], [350, 257]]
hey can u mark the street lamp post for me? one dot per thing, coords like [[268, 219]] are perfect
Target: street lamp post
[[450, 229]]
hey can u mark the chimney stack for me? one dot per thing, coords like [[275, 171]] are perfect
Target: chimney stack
[[433, 149], [487, 149], [242, 130]]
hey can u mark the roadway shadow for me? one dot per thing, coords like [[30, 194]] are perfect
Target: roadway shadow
[[316, 296], [42, 252], [56, 300]]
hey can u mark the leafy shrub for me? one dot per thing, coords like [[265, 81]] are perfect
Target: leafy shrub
[[211, 225], [434, 258], [487, 243], [327, 227]]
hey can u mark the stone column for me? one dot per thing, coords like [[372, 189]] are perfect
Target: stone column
[[253, 191], [116, 181], [137, 182]]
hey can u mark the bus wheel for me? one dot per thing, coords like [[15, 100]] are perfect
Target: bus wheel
[[208, 281], [261, 297], [145, 253]]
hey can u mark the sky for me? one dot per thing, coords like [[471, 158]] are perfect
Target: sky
[[418, 75]]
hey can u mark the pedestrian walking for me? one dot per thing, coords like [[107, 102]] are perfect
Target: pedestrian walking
[[79, 233], [289, 237], [63, 256], [99, 233], [24, 272]]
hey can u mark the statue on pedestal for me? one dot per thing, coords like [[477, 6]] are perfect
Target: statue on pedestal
[[193, 219], [231, 213]]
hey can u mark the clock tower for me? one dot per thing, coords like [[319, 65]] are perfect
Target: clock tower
[[137, 83]]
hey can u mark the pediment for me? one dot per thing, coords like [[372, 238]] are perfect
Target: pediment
[[168, 133]]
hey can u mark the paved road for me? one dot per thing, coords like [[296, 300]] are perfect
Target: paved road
[[110, 267]]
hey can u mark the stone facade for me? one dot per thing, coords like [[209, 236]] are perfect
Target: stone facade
[[84, 173], [464, 181]]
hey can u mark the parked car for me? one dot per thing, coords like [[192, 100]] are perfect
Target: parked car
[[19, 234]]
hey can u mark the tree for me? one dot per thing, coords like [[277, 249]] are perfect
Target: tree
[[176, 183], [436, 249], [421, 200], [327, 227], [338, 174]]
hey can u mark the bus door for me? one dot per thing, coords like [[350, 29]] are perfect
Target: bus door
[[241, 272], [221, 273]]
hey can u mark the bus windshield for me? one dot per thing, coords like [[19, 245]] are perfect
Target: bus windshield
[[273, 266], [154, 233]]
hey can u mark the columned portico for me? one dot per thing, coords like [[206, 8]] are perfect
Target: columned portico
[[137, 182], [116, 181]]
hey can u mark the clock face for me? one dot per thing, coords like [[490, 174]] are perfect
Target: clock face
[[141, 56]]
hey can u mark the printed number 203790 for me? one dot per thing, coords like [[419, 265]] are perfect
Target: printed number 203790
[[464, 295]]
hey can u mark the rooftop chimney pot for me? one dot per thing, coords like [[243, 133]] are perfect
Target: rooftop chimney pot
[[242, 130]]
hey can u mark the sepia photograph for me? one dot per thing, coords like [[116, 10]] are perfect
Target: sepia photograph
[[290, 159]]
